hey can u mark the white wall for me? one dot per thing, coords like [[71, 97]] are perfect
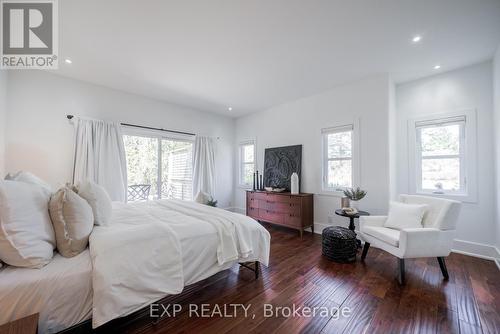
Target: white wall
[[3, 118], [393, 147], [466, 88], [40, 138], [301, 121], [496, 96]]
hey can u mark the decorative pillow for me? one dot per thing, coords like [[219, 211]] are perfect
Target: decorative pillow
[[202, 197], [73, 221], [26, 234], [403, 215], [27, 177], [99, 201]]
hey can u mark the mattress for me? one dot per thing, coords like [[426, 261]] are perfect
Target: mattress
[[62, 290]]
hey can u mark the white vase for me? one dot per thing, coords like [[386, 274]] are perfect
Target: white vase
[[355, 205], [294, 180]]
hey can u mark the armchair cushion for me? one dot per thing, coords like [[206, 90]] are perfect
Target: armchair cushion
[[387, 235], [403, 215], [371, 221]]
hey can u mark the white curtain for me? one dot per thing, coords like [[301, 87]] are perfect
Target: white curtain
[[100, 156], [204, 166]]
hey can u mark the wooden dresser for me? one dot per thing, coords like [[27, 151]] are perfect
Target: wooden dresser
[[285, 209]]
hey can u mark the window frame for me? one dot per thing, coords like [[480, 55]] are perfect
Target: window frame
[[355, 168], [242, 163], [159, 136], [467, 154]]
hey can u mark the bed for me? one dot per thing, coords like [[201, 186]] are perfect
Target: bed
[[62, 292]]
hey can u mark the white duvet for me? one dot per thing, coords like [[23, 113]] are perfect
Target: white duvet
[[137, 259]]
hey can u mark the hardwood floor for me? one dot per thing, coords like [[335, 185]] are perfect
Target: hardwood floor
[[298, 274]]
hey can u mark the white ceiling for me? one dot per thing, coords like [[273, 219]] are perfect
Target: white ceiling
[[254, 54]]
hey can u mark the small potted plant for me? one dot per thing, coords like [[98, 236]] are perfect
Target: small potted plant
[[354, 195], [212, 202]]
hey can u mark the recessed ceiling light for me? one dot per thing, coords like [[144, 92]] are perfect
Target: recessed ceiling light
[[230, 108], [416, 38], [68, 61], [437, 67]]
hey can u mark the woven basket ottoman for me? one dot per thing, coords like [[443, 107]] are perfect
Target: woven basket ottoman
[[339, 244]]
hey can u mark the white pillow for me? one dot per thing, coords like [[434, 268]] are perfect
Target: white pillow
[[99, 201], [202, 197], [26, 235], [73, 221], [27, 177], [402, 215]]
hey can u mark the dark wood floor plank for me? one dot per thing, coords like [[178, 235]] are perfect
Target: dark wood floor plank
[[298, 274]]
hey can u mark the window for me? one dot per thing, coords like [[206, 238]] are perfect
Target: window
[[441, 156], [339, 163], [247, 163], [442, 151], [164, 163]]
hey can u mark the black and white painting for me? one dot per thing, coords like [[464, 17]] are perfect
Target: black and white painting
[[280, 163]]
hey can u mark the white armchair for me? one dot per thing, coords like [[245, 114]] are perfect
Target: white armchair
[[434, 239]]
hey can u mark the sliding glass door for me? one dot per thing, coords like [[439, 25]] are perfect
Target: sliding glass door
[[176, 169], [164, 164]]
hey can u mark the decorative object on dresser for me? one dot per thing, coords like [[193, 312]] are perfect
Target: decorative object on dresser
[[274, 190], [295, 184], [285, 209], [280, 163], [339, 244]]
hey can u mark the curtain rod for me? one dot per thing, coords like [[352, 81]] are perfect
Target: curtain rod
[[147, 127]]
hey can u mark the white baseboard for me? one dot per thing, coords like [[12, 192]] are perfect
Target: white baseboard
[[476, 249]]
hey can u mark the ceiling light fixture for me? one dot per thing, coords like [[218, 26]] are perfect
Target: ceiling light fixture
[[230, 108], [416, 38], [68, 61], [437, 67]]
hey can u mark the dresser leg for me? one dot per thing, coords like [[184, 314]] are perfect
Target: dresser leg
[[312, 228], [301, 231]]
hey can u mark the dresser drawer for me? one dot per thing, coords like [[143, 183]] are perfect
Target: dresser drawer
[[292, 220], [253, 212], [271, 216], [288, 208], [253, 203], [268, 204], [287, 199], [262, 196]]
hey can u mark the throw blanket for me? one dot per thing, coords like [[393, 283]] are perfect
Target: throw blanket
[[137, 259]]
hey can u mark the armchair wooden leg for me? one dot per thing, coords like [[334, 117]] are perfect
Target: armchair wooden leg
[[402, 271], [365, 251], [442, 265]]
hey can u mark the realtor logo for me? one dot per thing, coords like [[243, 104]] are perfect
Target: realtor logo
[[29, 34]]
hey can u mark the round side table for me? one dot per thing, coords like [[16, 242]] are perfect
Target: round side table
[[341, 212]]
